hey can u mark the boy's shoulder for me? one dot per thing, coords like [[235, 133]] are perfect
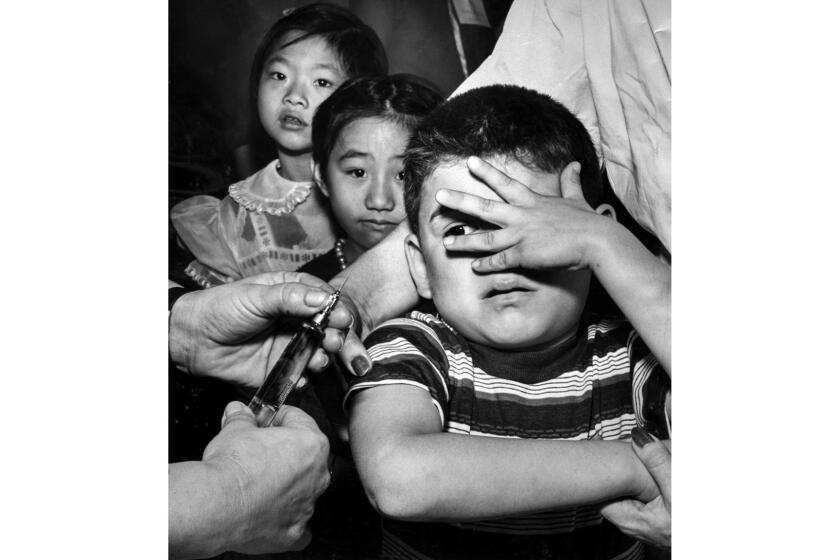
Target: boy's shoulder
[[425, 332], [428, 323]]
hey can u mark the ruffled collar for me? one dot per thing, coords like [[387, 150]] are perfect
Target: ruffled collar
[[269, 193]]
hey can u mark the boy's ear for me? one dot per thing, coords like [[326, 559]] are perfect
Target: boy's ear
[[606, 210], [317, 179], [417, 266]]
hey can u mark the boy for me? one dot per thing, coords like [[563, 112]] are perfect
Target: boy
[[473, 419]]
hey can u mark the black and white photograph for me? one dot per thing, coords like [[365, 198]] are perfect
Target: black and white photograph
[[419, 264]]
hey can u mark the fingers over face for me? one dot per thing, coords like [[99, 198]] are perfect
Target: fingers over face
[[491, 211], [502, 260], [483, 242], [502, 184]]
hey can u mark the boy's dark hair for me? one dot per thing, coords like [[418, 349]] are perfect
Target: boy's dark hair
[[500, 120], [357, 45], [401, 98]]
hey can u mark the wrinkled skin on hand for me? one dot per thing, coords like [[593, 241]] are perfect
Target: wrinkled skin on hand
[[649, 522], [236, 332], [278, 471]]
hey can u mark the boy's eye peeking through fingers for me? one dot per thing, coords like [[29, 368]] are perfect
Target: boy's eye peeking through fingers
[[458, 229], [467, 227]]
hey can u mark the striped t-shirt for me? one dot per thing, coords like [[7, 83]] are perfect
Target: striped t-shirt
[[598, 385]]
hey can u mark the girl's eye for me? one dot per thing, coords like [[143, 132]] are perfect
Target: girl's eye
[[357, 173], [276, 75], [401, 175], [323, 83], [459, 229]]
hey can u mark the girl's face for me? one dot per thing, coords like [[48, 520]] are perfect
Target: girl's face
[[365, 180], [294, 82]]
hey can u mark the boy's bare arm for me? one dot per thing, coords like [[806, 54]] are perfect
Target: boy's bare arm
[[538, 231], [413, 471], [639, 283]]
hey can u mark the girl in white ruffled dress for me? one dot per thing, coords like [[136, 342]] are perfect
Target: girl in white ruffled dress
[[275, 220]]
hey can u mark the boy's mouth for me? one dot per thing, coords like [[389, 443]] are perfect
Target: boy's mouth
[[507, 285], [493, 293]]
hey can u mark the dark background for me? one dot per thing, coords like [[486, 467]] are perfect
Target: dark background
[[213, 143], [211, 45]]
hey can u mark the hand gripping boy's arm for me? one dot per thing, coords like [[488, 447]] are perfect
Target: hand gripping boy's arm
[[538, 231], [379, 282], [413, 471]]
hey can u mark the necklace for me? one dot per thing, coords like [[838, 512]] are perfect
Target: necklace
[[339, 252]]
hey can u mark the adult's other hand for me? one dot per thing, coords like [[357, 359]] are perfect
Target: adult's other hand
[[649, 522], [254, 489]]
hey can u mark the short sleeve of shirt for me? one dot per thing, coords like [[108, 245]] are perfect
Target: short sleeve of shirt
[[406, 351], [651, 388], [199, 222]]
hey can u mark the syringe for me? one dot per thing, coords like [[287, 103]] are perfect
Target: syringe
[[287, 371]]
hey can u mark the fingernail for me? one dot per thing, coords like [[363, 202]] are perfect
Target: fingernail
[[442, 196], [325, 362], [360, 365], [314, 297], [641, 437], [232, 408], [577, 167], [447, 241]]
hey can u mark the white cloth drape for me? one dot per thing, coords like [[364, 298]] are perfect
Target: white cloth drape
[[609, 62]]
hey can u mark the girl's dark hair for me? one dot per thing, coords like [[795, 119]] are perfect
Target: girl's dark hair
[[501, 120], [401, 98], [356, 44]]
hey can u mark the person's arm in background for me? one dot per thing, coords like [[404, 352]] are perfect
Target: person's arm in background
[[254, 489], [379, 281], [411, 470], [379, 287]]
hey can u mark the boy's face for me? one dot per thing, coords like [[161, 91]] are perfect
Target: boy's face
[[365, 180], [295, 80], [515, 309]]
